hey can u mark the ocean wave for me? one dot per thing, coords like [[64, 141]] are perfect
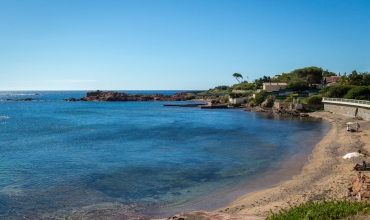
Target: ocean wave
[[3, 117]]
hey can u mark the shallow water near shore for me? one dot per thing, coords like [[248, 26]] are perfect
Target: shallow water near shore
[[140, 158]]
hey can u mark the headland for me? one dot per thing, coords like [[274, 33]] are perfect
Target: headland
[[99, 95]]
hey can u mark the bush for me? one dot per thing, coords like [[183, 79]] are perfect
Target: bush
[[260, 97], [235, 95], [222, 87], [289, 98], [298, 84], [304, 100], [315, 99], [335, 91], [358, 92], [224, 99], [321, 210], [190, 96]]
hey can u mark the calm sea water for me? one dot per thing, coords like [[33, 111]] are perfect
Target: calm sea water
[[59, 158]]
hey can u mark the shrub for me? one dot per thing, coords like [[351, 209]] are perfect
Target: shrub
[[224, 99], [335, 91], [315, 99], [298, 84], [358, 92], [190, 96], [321, 210], [289, 98], [303, 101], [222, 87], [235, 95], [260, 97]]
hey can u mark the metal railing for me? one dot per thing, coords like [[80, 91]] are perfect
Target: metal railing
[[347, 101]]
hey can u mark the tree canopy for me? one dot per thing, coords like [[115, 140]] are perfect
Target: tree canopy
[[358, 79], [237, 76], [313, 74]]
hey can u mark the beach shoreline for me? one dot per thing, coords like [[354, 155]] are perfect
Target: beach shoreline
[[326, 176]]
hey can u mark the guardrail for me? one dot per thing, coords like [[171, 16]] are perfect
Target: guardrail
[[347, 101]]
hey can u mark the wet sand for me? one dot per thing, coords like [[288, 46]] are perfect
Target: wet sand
[[326, 176]]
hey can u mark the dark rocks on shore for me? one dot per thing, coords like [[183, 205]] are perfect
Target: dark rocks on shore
[[26, 99], [281, 111], [116, 96]]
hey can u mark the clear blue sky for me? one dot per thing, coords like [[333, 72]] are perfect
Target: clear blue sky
[[175, 44]]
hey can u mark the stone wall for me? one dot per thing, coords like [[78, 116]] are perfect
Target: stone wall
[[238, 100], [364, 113], [350, 111]]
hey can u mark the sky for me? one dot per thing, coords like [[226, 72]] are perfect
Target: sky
[[175, 44]]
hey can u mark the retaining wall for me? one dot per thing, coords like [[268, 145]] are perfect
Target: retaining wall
[[350, 111]]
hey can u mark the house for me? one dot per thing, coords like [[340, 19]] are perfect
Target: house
[[331, 80], [271, 87]]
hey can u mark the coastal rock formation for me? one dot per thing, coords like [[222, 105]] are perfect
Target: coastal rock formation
[[272, 110], [359, 189], [26, 99], [268, 103], [120, 96]]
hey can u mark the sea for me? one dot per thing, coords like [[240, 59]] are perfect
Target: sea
[[116, 160]]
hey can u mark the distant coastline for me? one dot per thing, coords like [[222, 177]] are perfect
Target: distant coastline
[[121, 96]]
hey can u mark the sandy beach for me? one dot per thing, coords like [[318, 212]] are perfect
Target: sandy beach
[[326, 176]]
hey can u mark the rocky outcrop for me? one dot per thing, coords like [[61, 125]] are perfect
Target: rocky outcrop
[[273, 110], [268, 103], [120, 96], [359, 189], [26, 99]]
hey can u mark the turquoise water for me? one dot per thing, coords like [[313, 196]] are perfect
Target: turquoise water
[[59, 156]]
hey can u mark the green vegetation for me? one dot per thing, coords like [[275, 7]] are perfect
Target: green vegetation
[[260, 81], [190, 96], [315, 99], [358, 92], [298, 84], [335, 91], [235, 95], [290, 98], [260, 97], [224, 99], [219, 90], [237, 76], [322, 210], [245, 86], [326, 73], [357, 79], [301, 79], [354, 86]]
